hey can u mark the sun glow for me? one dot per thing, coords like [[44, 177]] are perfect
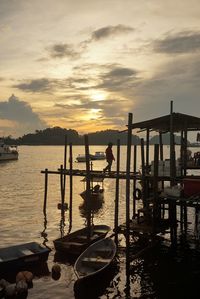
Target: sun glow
[[98, 96]]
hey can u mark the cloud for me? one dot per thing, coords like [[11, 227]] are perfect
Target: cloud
[[180, 43], [63, 50], [20, 112], [109, 31], [37, 85]]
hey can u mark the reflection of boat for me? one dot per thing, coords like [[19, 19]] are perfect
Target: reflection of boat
[[77, 241], [22, 255], [99, 156], [95, 259], [95, 206], [96, 191], [8, 152]]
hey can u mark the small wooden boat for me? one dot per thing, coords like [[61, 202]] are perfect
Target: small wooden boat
[[76, 242], [96, 191], [95, 259], [22, 255]]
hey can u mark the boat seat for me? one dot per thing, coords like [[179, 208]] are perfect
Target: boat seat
[[26, 251], [1, 260], [103, 252], [95, 262], [85, 237]]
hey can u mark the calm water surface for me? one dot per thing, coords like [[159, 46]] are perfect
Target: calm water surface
[[22, 220]]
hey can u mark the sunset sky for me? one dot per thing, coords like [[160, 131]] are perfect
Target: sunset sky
[[85, 64]]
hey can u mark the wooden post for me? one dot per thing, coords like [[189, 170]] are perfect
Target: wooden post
[[88, 195], [147, 151], [156, 211], [65, 163], [70, 186], [117, 192], [172, 149], [134, 179], [128, 164], [143, 182], [45, 191], [62, 191]]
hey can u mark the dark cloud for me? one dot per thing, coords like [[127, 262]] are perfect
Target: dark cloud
[[109, 31], [36, 85], [63, 50], [22, 114], [183, 42], [118, 78]]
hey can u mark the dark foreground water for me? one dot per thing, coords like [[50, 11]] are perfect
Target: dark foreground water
[[163, 272]]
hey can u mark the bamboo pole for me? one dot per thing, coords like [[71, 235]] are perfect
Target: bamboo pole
[[128, 161], [134, 179], [88, 195], [117, 192], [70, 186], [65, 163], [45, 191]]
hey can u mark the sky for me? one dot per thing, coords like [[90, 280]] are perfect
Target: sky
[[85, 64]]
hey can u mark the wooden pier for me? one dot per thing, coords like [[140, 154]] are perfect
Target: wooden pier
[[159, 211]]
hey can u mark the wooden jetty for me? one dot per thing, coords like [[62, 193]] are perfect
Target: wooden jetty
[[158, 211]]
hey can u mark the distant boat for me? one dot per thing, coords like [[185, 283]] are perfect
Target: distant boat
[[76, 242], [99, 156], [82, 158], [8, 152], [22, 255], [95, 259], [95, 156]]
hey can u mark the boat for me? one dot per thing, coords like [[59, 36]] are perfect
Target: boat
[[82, 158], [22, 255], [99, 156], [95, 259], [76, 242], [96, 191], [8, 152]]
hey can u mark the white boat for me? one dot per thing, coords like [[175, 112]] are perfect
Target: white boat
[[82, 158], [95, 259], [99, 156], [8, 152]]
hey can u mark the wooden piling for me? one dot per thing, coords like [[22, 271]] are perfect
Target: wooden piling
[[134, 179], [65, 163], [45, 191], [117, 193], [70, 186], [128, 164], [88, 195]]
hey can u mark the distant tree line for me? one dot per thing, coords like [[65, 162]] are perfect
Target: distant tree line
[[56, 136]]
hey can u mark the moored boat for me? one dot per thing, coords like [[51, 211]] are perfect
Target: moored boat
[[96, 191], [8, 152], [95, 259], [99, 156], [22, 255], [76, 242]]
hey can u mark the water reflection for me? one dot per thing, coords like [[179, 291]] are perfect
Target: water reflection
[[95, 205]]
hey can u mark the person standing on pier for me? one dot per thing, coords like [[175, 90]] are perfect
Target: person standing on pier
[[109, 157]]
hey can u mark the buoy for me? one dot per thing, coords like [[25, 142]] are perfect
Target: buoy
[[56, 271], [25, 276]]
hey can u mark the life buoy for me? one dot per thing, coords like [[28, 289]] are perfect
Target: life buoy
[[137, 193]]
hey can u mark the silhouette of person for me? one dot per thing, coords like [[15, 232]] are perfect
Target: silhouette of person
[[109, 157]]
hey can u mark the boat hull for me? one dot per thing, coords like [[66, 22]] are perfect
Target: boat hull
[[21, 256], [95, 259], [76, 242]]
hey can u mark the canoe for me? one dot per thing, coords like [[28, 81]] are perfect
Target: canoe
[[76, 242], [22, 255], [95, 259]]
